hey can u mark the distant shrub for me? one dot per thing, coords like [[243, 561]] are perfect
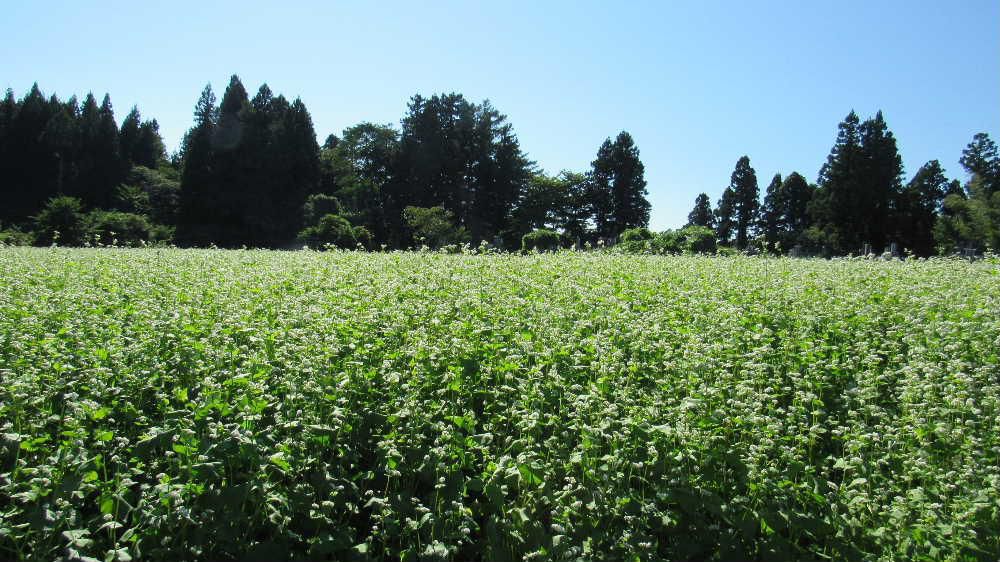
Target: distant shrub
[[62, 222], [541, 239], [688, 240], [699, 240], [636, 235], [14, 236], [318, 206], [363, 236], [118, 228], [434, 226], [331, 229]]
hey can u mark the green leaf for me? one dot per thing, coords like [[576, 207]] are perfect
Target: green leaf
[[529, 475], [279, 459], [107, 504]]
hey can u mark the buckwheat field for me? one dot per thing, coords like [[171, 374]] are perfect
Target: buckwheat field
[[254, 405]]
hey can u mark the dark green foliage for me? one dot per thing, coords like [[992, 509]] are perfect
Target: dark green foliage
[[319, 205], [770, 213], [359, 169], [917, 207], [725, 217], [117, 228], [196, 222], [617, 190], [687, 240], [698, 240], [556, 203], [970, 217], [462, 157], [14, 236], [746, 207], [785, 216], [542, 240], [62, 221], [980, 159], [702, 214], [248, 167], [857, 187], [333, 230], [434, 226], [636, 235], [151, 192]]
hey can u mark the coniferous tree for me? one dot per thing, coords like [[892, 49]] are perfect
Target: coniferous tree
[[128, 136], [746, 194], [232, 179], [970, 217], [917, 207], [296, 174], [460, 156], [149, 151], [796, 195], [702, 214], [59, 138], [599, 190], [858, 186], [836, 206], [772, 213], [196, 218], [980, 159], [725, 216], [618, 187], [880, 181], [26, 190]]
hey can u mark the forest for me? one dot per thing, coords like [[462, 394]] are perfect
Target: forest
[[251, 172]]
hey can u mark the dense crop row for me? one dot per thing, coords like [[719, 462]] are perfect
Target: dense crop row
[[176, 405]]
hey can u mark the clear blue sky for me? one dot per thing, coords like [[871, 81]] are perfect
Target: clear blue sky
[[698, 84]]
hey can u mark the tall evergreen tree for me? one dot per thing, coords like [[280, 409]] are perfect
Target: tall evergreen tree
[[60, 139], [619, 187], [785, 214], [971, 217], [129, 136], [231, 176], [149, 151], [917, 207], [297, 170], [701, 215], [836, 206], [880, 181], [796, 195], [746, 194], [980, 159], [26, 190], [858, 185], [197, 215], [772, 213], [725, 216], [461, 156]]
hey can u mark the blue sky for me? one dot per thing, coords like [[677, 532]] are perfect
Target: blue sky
[[698, 84]]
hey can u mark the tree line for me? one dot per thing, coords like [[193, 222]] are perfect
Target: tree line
[[860, 203], [250, 172]]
